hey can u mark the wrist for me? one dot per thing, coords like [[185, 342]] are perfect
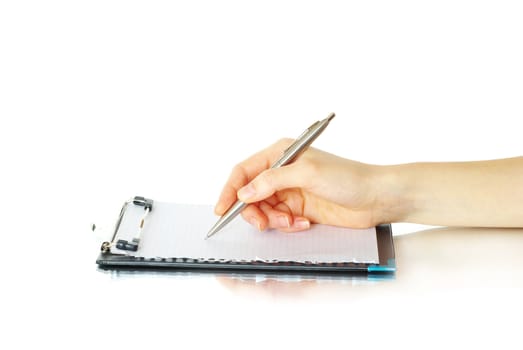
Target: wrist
[[393, 203]]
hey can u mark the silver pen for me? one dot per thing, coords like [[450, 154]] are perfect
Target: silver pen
[[288, 156]]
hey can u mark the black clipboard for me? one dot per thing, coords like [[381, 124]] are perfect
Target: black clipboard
[[108, 260]]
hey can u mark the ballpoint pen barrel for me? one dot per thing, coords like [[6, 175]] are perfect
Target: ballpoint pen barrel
[[300, 145], [227, 217]]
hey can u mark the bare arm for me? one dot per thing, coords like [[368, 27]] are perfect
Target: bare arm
[[322, 188], [484, 193]]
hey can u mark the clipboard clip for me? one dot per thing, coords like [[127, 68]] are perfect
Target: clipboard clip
[[124, 244]]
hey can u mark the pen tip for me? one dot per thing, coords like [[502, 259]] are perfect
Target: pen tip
[[330, 116], [210, 233]]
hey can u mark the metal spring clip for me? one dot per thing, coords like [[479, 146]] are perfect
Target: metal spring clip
[[133, 244]]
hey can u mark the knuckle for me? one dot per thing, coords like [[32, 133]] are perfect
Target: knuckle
[[238, 168], [238, 171]]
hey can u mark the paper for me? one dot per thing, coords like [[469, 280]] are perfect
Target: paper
[[178, 231]]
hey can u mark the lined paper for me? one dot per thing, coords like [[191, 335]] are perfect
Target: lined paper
[[178, 231]]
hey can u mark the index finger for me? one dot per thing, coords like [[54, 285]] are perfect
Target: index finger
[[247, 170]]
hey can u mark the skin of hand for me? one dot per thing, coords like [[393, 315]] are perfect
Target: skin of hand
[[322, 188], [316, 188]]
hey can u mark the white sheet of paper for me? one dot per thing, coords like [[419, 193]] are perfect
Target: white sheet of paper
[[178, 231]]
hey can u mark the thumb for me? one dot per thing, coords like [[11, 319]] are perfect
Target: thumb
[[269, 181]]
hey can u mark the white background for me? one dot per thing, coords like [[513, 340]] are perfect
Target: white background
[[104, 100]]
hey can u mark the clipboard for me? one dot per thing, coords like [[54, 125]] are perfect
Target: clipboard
[[145, 231]]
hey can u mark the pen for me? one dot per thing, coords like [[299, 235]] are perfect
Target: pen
[[288, 156]]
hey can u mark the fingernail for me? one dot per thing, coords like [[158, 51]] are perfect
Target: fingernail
[[255, 223], [283, 221], [302, 224], [246, 192], [218, 209]]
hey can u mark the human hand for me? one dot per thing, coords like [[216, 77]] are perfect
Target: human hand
[[317, 188]]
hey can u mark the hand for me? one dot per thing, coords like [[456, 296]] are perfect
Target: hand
[[322, 188], [317, 188]]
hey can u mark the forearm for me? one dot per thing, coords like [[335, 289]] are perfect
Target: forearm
[[485, 193]]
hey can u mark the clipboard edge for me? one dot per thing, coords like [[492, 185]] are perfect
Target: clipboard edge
[[386, 264]]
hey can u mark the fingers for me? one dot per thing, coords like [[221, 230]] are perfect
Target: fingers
[[253, 181], [255, 216], [246, 171], [271, 180], [276, 218], [264, 216], [299, 224], [228, 195]]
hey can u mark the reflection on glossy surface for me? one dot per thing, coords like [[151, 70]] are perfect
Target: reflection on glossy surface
[[461, 258], [273, 285], [462, 282], [437, 259]]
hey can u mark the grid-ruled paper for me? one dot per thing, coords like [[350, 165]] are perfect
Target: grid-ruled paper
[[178, 231]]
